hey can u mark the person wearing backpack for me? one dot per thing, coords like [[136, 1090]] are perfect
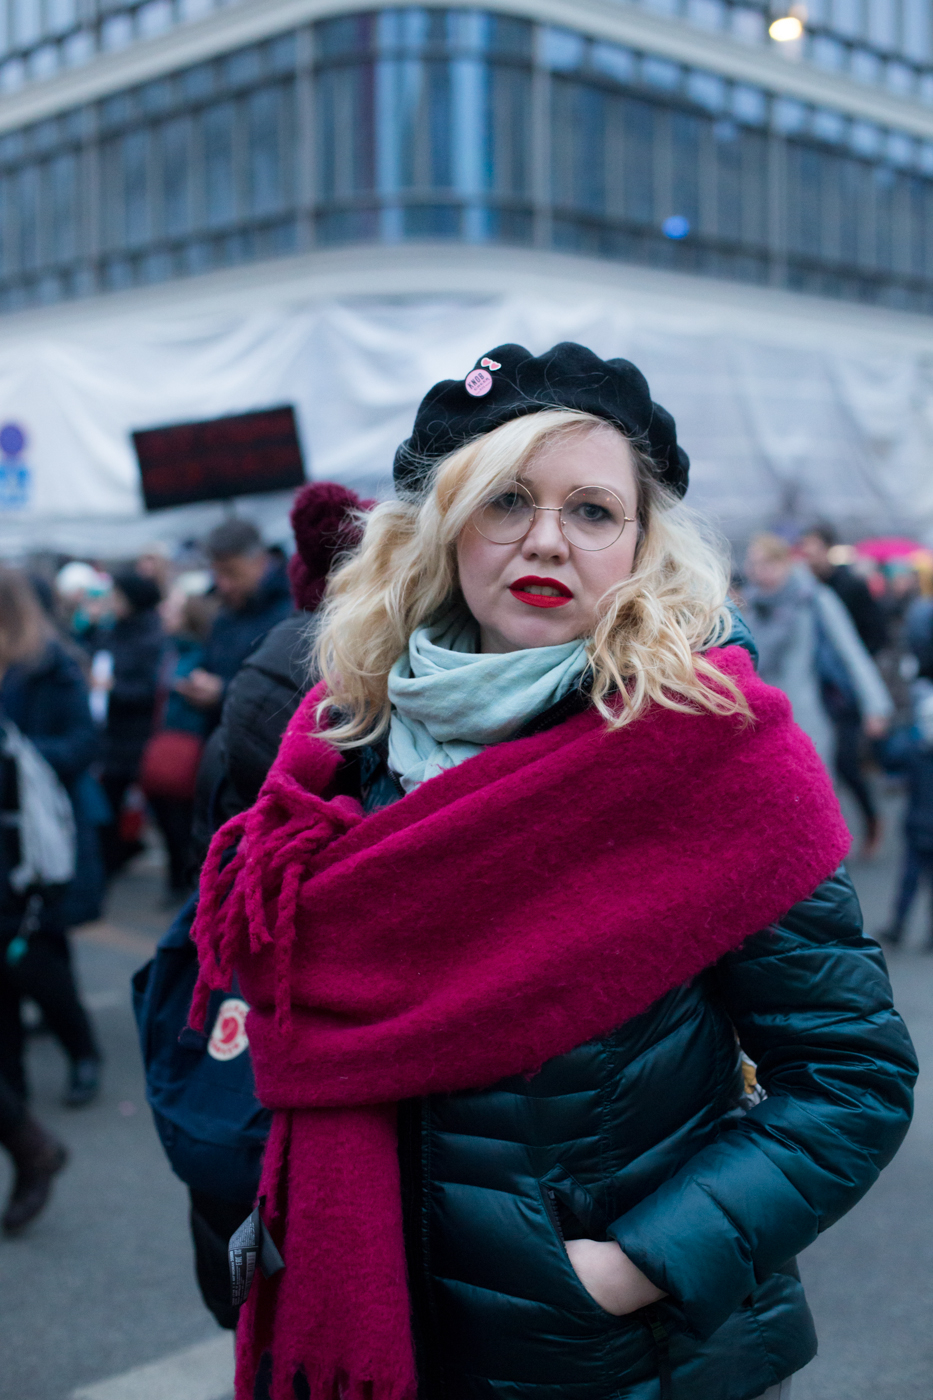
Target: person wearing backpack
[[43, 695], [810, 649], [200, 1086]]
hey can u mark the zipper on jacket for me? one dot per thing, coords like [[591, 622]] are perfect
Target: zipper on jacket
[[550, 1204], [662, 1350]]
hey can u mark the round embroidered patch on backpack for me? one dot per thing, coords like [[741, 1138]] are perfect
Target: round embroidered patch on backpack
[[228, 1038]]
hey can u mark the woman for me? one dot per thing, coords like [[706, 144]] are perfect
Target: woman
[[44, 693], [809, 648], [169, 767], [135, 643], [498, 1018]]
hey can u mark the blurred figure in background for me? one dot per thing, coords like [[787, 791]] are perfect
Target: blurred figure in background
[[908, 751], [254, 594], [169, 767], [43, 692], [135, 644], [866, 613], [260, 701], [155, 562], [36, 1155], [809, 648], [82, 592]]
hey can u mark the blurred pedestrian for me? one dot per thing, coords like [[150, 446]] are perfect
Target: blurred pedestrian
[[254, 594], [526, 867], [43, 692], [809, 648], [83, 593], [909, 751], [37, 1158], [260, 701], [155, 561], [865, 611], [169, 766], [135, 644]]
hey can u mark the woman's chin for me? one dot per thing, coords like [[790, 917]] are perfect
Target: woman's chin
[[522, 634]]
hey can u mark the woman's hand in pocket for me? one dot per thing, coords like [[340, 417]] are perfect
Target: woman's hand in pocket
[[610, 1277]]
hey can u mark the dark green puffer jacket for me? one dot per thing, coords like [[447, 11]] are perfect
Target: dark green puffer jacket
[[644, 1137]]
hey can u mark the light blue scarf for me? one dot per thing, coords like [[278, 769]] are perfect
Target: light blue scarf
[[449, 701]]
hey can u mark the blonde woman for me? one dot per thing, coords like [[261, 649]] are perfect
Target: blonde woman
[[536, 857]]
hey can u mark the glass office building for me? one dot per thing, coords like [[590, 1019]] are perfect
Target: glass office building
[[481, 126]]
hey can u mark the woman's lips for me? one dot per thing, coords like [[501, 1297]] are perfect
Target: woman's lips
[[540, 592]]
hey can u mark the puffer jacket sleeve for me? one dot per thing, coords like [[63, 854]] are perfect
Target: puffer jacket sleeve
[[811, 1003]]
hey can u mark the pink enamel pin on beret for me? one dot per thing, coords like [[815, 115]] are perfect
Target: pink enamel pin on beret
[[479, 381]]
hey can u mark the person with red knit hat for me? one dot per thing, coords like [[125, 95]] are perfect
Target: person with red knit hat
[[539, 858], [260, 700]]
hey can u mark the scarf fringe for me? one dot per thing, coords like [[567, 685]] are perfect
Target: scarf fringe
[[237, 898]]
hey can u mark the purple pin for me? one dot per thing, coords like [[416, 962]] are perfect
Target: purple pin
[[478, 382]]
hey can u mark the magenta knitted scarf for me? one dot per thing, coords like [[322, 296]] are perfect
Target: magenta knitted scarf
[[536, 896]]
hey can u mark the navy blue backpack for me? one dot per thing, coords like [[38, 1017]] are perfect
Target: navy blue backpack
[[200, 1087]]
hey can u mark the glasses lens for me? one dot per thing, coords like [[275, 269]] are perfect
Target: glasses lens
[[507, 516], [592, 518]]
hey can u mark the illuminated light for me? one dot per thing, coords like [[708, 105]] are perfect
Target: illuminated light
[[676, 226], [785, 29]]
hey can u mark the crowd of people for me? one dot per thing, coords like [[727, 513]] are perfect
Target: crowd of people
[[117, 679], [491, 956], [850, 641]]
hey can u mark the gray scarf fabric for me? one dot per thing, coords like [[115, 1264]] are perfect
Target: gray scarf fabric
[[450, 701]]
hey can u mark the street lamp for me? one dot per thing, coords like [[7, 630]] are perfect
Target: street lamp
[[787, 28]]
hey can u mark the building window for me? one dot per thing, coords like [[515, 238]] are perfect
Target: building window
[[458, 124]]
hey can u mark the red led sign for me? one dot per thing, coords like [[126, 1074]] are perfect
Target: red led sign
[[222, 457]]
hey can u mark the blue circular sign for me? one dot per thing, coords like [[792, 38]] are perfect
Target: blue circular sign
[[12, 439], [676, 226]]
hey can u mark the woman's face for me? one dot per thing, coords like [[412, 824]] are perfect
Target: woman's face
[[541, 590]]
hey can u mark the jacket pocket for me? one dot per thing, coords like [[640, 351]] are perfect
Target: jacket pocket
[[551, 1193]]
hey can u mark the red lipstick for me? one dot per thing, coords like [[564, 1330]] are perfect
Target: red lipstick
[[557, 595]]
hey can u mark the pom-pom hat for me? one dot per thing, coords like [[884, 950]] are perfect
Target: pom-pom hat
[[324, 525], [509, 382]]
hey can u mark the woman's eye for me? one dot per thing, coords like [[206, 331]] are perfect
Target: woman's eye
[[593, 514], [509, 500]]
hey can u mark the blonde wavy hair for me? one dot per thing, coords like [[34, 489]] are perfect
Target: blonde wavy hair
[[651, 629]]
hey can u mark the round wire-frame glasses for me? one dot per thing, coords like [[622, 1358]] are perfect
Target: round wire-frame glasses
[[591, 518]]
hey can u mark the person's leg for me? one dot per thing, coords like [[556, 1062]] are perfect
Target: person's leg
[[115, 851], [12, 1109], [174, 818], [910, 879], [45, 974], [849, 771], [926, 859], [37, 1156], [12, 1039]]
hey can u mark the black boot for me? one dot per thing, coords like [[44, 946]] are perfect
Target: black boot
[[83, 1082], [37, 1157]]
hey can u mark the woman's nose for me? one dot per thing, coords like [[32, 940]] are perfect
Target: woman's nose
[[545, 539]]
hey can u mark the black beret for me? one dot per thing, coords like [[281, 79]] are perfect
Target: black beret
[[509, 382]]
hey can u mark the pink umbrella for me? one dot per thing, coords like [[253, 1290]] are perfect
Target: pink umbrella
[[888, 547]]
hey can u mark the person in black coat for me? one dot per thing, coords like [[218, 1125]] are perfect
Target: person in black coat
[[865, 611], [45, 695], [255, 595], [136, 643], [260, 700], [908, 751]]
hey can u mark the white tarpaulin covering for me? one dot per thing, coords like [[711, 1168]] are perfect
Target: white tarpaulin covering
[[789, 408]]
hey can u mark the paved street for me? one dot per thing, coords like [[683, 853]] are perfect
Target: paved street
[[98, 1301]]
